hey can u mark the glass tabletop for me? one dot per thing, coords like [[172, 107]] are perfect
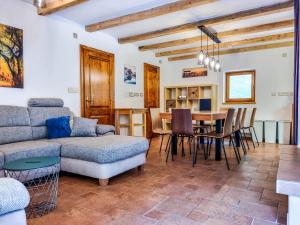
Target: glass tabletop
[[31, 163]]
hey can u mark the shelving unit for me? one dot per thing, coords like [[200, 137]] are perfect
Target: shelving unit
[[125, 119], [189, 96]]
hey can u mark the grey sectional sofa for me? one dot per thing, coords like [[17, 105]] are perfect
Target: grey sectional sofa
[[23, 134]]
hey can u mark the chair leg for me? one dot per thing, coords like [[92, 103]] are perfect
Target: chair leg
[[206, 150], [251, 137], [242, 143], [168, 142], [168, 152], [236, 151], [182, 147], [149, 146], [245, 139], [190, 145], [255, 136], [194, 151], [230, 140], [211, 141], [197, 147], [225, 154], [162, 140]]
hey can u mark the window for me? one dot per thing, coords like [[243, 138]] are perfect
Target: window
[[240, 87]]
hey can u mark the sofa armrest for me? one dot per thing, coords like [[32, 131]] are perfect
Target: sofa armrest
[[13, 196], [103, 129]]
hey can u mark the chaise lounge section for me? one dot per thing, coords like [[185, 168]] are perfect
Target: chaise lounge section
[[23, 134], [14, 198]]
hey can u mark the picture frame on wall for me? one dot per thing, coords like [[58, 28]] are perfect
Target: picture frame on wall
[[194, 72], [11, 57], [129, 74]]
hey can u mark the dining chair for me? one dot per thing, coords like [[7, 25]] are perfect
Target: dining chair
[[251, 128], [237, 130], [157, 127], [182, 126], [227, 132], [242, 126]]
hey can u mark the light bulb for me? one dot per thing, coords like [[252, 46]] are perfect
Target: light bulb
[[206, 60], [212, 63], [201, 58], [217, 66], [39, 3]]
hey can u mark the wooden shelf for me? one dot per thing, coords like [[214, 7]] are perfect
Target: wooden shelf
[[138, 125], [194, 94], [128, 114]]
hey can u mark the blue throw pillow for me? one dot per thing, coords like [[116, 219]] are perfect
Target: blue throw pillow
[[58, 127]]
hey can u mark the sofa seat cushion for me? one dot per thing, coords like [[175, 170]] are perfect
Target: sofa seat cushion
[[13, 195], [105, 149], [28, 149]]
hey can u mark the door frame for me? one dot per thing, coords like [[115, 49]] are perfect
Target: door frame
[[82, 86]]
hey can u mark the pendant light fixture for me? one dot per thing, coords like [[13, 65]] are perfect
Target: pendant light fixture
[[211, 63], [207, 59], [201, 55], [218, 65]]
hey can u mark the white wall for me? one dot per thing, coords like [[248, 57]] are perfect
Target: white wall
[[52, 59], [274, 73]]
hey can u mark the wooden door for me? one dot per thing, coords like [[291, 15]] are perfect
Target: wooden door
[[97, 85], [151, 91]]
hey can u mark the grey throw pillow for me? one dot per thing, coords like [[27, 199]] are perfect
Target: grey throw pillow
[[83, 127]]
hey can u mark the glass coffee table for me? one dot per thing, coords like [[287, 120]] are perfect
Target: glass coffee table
[[40, 176]]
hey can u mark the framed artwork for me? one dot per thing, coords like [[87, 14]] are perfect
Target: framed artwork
[[194, 72], [11, 57], [129, 74]]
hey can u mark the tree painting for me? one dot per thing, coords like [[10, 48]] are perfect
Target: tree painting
[[11, 57]]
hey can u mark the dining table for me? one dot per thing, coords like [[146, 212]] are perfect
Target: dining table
[[217, 116]]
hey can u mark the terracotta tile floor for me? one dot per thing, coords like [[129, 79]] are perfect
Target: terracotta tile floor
[[177, 194]]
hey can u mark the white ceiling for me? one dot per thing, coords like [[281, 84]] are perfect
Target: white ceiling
[[98, 10]]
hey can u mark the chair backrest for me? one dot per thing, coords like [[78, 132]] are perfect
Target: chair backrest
[[252, 117], [243, 118], [237, 123], [228, 122], [156, 120], [182, 122]]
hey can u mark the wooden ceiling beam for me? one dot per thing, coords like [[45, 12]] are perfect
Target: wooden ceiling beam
[[237, 50], [274, 37], [266, 10], [58, 5], [147, 14], [224, 34]]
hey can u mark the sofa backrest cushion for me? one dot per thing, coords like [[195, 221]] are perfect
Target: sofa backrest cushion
[[14, 124], [45, 102], [39, 115], [13, 116], [15, 134]]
